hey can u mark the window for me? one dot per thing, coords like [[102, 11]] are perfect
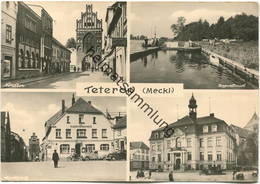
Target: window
[[118, 132], [218, 141], [94, 133], [68, 119], [104, 133], [104, 147], [159, 158], [210, 156], [81, 133], [201, 143], [205, 129], [159, 147], [68, 133], [81, 118], [64, 148], [178, 142], [153, 147], [189, 156], [58, 133], [153, 159], [94, 120], [214, 128], [188, 142], [169, 157], [168, 144], [8, 34], [201, 156], [210, 142], [219, 156], [90, 148]]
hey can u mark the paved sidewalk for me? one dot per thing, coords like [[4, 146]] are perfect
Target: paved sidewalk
[[21, 82]]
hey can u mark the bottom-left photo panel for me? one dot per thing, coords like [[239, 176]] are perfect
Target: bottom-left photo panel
[[63, 137]]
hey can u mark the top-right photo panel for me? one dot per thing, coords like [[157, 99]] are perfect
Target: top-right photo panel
[[211, 45]]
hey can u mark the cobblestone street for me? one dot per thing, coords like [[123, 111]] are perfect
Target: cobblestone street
[[67, 171], [195, 177]]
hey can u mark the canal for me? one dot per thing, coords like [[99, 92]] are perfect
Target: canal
[[192, 69]]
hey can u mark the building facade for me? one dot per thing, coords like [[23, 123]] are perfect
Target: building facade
[[116, 38], [34, 147], [8, 39], [197, 143], [139, 156], [88, 34], [28, 39], [5, 137], [60, 58], [119, 134], [79, 129], [13, 148]]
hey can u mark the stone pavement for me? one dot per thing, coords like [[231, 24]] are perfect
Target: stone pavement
[[67, 171]]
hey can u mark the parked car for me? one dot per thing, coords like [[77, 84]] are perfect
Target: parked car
[[90, 155], [121, 155]]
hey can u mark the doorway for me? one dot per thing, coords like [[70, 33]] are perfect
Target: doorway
[[122, 145], [77, 149], [178, 164]]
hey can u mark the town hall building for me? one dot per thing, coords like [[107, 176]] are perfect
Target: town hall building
[[80, 128], [197, 143]]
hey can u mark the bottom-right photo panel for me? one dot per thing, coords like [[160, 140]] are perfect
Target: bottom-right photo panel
[[205, 135]]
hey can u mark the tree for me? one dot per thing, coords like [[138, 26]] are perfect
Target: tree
[[71, 43], [178, 28]]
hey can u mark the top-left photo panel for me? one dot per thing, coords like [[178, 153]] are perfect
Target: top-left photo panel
[[55, 45]]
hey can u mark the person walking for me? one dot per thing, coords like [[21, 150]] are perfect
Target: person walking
[[171, 176], [55, 158]]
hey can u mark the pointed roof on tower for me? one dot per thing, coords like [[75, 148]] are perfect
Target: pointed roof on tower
[[253, 123]]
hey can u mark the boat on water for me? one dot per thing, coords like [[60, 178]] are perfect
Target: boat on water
[[232, 86], [214, 60]]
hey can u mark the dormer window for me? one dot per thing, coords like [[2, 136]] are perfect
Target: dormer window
[[214, 128], [205, 129]]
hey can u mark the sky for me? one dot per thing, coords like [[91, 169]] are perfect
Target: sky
[[29, 111], [234, 107], [146, 17], [65, 13]]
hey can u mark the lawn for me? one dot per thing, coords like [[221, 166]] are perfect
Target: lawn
[[244, 52]]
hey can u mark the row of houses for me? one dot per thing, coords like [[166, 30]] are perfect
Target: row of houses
[[13, 148], [28, 46], [81, 128], [197, 143]]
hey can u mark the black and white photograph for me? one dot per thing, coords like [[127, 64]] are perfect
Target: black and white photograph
[[214, 138], [204, 45], [62, 137], [53, 45]]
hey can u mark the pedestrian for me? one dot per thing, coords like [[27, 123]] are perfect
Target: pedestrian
[[150, 174], [171, 176], [55, 158], [74, 68]]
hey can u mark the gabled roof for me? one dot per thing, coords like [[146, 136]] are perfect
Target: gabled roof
[[81, 106], [253, 122], [242, 132], [55, 118], [138, 145], [120, 124]]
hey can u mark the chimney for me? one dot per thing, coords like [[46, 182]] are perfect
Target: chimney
[[63, 106], [73, 99], [89, 102], [211, 114]]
